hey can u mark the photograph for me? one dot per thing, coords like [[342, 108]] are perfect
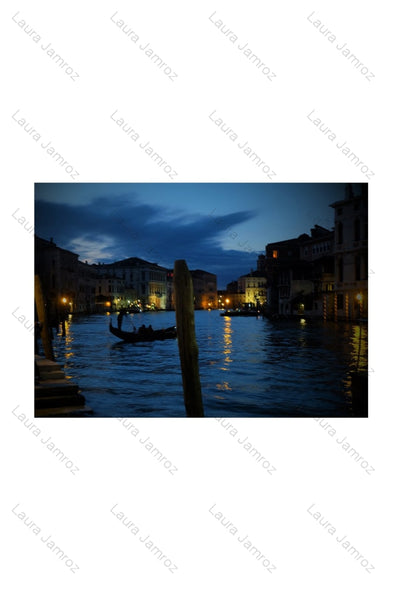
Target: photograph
[[201, 300]]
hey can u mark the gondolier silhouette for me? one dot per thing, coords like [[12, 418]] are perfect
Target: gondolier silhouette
[[120, 319]]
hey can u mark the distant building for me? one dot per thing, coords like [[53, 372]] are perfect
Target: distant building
[[298, 271], [86, 292], [110, 293], [351, 254], [286, 276], [145, 283], [318, 251], [205, 290], [230, 298], [253, 287], [58, 270]]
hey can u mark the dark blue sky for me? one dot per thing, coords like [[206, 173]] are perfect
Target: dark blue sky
[[219, 227]]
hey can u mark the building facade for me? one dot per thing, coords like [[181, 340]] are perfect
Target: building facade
[[145, 283], [253, 288], [64, 279], [351, 255], [205, 290]]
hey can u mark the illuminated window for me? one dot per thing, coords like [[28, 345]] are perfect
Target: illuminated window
[[274, 253]]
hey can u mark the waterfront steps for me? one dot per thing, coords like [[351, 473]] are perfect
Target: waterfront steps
[[55, 395]]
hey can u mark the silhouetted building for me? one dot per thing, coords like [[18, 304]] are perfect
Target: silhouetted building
[[351, 254], [318, 251], [298, 271], [58, 270], [205, 289], [284, 271]]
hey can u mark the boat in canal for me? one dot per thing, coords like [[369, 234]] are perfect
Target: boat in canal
[[145, 335]]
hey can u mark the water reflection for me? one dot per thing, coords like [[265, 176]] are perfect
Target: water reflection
[[358, 355], [227, 342], [248, 367]]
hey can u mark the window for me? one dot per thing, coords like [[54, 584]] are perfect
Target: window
[[357, 268], [340, 269], [357, 230], [339, 231], [274, 253]]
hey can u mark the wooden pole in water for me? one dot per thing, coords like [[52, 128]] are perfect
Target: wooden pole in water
[[42, 316], [188, 349]]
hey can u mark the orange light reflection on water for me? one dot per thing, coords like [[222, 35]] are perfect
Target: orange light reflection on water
[[227, 343]]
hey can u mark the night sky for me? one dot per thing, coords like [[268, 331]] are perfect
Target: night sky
[[218, 227]]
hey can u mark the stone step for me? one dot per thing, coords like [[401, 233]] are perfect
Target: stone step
[[45, 375], [46, 365], [52, 401], [63, 411], [55, 387]]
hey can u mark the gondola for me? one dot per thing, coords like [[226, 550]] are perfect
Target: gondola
[[145, 335]]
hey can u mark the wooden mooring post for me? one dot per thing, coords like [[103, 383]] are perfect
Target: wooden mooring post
[[188, 349], [42, 316]]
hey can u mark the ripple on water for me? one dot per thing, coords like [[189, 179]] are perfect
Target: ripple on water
[[248, 367]]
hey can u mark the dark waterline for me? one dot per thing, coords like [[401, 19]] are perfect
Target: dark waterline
[[249, 367]]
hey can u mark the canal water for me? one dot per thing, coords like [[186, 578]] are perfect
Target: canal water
[[249, 367]]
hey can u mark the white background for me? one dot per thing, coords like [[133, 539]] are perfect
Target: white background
[[213, 469]]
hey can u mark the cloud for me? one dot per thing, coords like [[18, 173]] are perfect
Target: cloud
[[109, 229]]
